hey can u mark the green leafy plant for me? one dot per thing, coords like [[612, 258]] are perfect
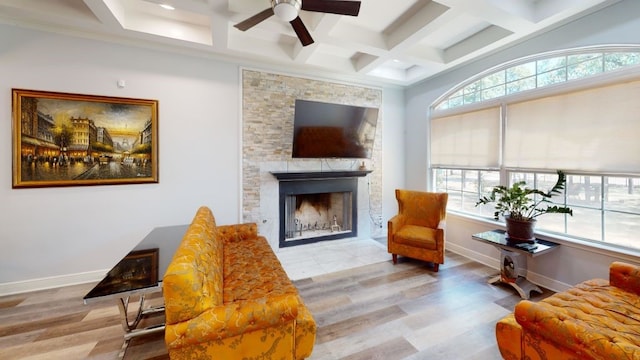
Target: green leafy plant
[[520, 202]]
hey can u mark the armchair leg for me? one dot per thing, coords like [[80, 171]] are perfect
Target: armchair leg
[[436, 267], [394, 257]]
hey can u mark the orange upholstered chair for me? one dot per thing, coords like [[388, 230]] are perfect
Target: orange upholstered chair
[[418, 229]]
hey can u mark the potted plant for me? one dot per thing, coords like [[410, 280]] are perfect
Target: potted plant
[[520, 206]]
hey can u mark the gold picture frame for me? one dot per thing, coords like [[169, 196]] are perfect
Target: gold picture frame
[[64, 139]]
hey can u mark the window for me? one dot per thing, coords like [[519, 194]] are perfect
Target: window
[[545, 71], [581, 118], [465, 187]]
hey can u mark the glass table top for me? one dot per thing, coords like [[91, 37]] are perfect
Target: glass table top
[[499, 238], [142, 269]]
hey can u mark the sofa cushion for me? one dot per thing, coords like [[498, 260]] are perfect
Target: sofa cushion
[[592, 318], [417, 236], [252, 271], [193, 281]]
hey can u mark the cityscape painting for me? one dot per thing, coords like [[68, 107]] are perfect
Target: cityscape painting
[[62, 139]]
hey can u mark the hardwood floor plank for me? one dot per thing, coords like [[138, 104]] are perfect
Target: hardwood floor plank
[[454, 325], [397, 348], [59, 343], [358, 323], [103, 312], [31, 325], [327, 303], [147, 347], [362, 340], [20, 339], [11, 302], [106, 348], [68, 353], [354, 309], [79, 326], [477, 343]]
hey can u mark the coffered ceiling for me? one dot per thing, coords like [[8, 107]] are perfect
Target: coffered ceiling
[[390, 41]]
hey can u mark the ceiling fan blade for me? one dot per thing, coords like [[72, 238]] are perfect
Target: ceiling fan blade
[[301, 31], [254, 20], [332, 6]]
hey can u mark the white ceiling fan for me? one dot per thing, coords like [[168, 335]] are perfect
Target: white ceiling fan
[[288, 10]]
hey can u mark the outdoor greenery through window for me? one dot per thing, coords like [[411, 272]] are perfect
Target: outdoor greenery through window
[[605, 208], [577, 131], [537, 74]]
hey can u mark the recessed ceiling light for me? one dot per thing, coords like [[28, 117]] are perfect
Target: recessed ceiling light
[[166, 6]]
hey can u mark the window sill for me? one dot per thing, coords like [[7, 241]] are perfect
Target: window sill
[[621, 253]]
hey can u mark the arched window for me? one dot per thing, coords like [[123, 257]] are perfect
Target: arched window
[[576, 110], [538, 72]]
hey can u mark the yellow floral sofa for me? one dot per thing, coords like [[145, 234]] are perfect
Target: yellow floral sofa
[[596, 319], [227, 297]]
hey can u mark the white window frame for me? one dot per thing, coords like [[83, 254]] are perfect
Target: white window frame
[[586, 82]]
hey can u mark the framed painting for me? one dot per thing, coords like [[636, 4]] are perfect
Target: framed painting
[[63, 139]]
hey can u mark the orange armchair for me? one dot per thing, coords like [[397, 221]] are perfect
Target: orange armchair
[[418, 229]]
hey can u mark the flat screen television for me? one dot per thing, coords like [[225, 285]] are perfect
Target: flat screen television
[[325, 130]]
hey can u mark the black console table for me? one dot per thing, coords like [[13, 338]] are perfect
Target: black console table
[[139, 274], [513, 259]]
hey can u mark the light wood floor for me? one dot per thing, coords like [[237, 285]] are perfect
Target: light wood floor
[[379, 311]]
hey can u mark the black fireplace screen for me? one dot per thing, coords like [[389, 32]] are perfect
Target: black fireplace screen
[[317, 210], [312, 215]]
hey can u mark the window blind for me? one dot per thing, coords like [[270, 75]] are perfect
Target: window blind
[[591, 130], [470, 139]]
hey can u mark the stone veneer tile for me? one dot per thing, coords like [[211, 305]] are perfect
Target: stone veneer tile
[[268, 102]]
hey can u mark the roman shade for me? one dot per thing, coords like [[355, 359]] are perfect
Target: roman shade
[[471, 139], [590, 130]]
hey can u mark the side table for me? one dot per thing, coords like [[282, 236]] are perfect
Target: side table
[[513, 259], [138, 274]]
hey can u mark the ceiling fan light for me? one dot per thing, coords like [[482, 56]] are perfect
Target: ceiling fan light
[[286, 10]]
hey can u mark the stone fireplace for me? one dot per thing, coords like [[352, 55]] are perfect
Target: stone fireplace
[[317, 206], [267, 138]]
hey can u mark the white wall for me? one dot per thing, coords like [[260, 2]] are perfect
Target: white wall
[[617, 24], [56, 236], [59, 231], [393, 152]]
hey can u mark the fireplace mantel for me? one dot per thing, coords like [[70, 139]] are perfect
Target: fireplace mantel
[[315, 175]]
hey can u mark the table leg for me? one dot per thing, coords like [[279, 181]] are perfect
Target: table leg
[[130, 326], [523, 286]]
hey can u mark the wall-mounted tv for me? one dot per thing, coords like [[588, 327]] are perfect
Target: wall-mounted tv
[[325, 130]]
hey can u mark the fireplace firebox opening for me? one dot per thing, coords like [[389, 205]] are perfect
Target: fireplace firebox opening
[[317, 210], [314, 215]]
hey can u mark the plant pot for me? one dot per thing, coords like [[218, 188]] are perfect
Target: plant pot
[[520, 230]]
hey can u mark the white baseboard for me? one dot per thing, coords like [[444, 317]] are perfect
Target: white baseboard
[[475, 256], [51, 282], [547, 282], [494, 263]]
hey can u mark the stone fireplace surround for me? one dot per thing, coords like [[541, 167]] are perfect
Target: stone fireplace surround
[[269, 226], [267, 135]]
